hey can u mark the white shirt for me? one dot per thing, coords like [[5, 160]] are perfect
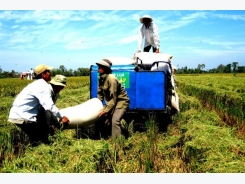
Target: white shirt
[[149, 35], [53, 95], [26, 104]]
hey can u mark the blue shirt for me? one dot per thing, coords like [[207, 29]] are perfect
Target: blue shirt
[[26, 104]]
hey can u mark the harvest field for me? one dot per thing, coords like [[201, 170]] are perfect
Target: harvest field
[[207, 136]]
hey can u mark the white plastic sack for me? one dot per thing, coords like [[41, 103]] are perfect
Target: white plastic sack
[[175, 101], [162, 66], [83, 114]]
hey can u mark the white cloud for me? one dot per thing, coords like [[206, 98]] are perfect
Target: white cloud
[[129, 39], [228, 16], [225, 44], [15, 26], [184, 20], [116, 31]]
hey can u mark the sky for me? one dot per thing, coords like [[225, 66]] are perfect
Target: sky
[[79, 35]]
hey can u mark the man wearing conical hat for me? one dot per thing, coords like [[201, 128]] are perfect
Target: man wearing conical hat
[[148, 32]]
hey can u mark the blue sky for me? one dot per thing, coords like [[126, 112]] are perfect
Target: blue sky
[[79, 38]]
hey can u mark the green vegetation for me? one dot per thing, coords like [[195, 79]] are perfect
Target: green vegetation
[[224, 94], [197, 140], [61, 70]]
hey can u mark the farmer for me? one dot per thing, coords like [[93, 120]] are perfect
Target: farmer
[[148, 32], [115, 96], [26, 111], [174, 72], [31, 74], [56, 85]]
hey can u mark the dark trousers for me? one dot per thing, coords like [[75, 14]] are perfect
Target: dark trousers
[[39, 131], [102, 128], [147, 49], [110, 125], [116, 130]]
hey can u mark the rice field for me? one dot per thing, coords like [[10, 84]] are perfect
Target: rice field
[[207, 136]]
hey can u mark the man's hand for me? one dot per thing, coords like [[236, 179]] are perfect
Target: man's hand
[[157, 50], [102, 114], [65, 120]]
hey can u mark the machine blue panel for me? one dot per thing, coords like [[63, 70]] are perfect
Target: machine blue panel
[[125, 74], [145, 89], [94, 77], [150, 90]]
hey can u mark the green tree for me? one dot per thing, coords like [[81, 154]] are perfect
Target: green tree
[[200, 67], [241, 69], [62, 69], [234, 66], [221, 68], [228, 68]]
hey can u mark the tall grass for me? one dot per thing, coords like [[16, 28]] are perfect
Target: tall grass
[[224, 94]]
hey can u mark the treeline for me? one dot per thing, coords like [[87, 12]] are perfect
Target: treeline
[[61, 70], [229, 68], [69, 73]]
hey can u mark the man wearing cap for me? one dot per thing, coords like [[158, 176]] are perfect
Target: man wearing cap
[[26, 110], [115, 96], [148, 32]]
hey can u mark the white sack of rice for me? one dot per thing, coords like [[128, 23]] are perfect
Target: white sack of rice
[[83, 114]]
